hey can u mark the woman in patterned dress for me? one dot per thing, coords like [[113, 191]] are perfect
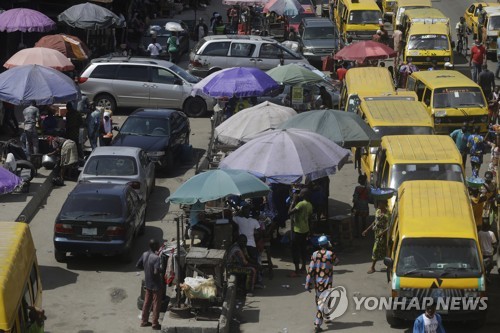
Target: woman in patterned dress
[[379, 227]]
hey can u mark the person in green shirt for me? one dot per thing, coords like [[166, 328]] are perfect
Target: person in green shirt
[[36, 320], [173, 47], [301, 211]]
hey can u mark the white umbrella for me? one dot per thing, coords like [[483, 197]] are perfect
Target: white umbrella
[[251, 121], [173, 26]]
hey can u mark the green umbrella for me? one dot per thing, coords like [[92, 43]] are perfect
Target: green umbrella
[[293, 74], [346, 129], [216, 184]]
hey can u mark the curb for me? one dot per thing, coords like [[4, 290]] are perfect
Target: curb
[[33, 205], [228, 306]]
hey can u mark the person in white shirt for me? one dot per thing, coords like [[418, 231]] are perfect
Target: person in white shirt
[[154, 48], [487, 241], [429, 322]]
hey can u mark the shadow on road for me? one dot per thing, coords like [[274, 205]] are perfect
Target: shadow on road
[[55, 277], [338, 325], [157, 207]]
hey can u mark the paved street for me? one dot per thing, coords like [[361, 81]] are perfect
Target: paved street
[[99, 294]]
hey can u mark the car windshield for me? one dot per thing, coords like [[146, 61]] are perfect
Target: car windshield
[[147, 126], [458, 97], [297, 18], [428, 42], [425, 171], [111, 166], [319, 33], [97, 207], [438, 257], [403, 130], [494, 23], [184, 74], [364, 17]]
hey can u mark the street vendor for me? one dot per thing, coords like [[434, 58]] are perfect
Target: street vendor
[[197, 222], [67, 152]]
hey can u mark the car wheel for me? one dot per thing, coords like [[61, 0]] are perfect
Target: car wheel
[[126, 256], [59, 256], [170, 162], [106, 101], [392, 320], [195, 107], [153, 184]]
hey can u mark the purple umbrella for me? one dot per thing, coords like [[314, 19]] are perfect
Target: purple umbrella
[[237, 82], [25, 20], [8, 181]]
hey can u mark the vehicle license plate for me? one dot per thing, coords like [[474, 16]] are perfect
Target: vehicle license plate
[[89, 231]]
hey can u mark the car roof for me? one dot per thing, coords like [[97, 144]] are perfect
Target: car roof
[[115, 150], [444, 79], [153, 113], [425, 204], [135, 60], [317, 21], [99, 188], [396, 113], [429, 29], [239, 37]]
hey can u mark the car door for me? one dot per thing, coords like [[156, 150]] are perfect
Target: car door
[[241, 54], [148, 168], [131, 86], [269, 56], [166, 89], [138, 210], [214, 55]]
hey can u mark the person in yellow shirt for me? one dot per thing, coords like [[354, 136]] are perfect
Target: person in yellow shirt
[[301, 211], [477, 200]]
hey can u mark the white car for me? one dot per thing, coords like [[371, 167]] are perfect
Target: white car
[[120, 165]]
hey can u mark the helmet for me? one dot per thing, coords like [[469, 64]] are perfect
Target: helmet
[[323, 240]]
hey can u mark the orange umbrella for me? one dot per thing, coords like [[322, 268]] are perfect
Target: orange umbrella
[[71, 46], [40, 56]]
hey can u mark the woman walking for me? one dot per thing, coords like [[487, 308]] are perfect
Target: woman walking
[[379, 227]]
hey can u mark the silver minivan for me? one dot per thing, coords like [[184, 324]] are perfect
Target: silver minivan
[[141, 82], [213, 53]]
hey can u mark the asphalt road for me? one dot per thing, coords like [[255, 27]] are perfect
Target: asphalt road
[[98, 294]]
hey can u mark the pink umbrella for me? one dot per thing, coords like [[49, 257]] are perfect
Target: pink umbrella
[[365, 50], [40, 56]]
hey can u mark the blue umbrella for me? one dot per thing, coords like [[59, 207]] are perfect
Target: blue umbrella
[[216, 184], [237, 82], [34, 83]]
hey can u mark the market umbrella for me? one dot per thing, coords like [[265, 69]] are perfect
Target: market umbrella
[[215, 184], [284, 7], [90, 16], [25, 20], [346, 129], [251, 121], [71, 46], [8, 181], [40, 56], [365, 50], [237, 82], [39, 84], [244, 2], [287, 156], [293, 74]]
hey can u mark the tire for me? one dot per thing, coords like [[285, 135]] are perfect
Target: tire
[[195, 107], [26, 165], [59, 256], [392, 320], [126, 256], [170, 162], [105, 100]]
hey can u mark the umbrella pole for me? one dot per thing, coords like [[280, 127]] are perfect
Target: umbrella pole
[[178, 288]]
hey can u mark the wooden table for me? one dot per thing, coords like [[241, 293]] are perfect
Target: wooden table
[[206, 262]]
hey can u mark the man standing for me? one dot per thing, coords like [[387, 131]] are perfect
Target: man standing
[[497, 72], [461, 136], [301, 211], [319, 275], [150, 262], [31, 115], [481, 20], [430, 321], [248, 226], [486, 81], [201, 30], [73, 123], [477, 58], [487, 241], [397, 37], [475, 143], [154, 48]]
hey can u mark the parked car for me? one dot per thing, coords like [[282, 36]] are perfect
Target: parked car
[[99, 219], [308, 6], [157, 28], [120, 165], [141, 82], [318, 38], [214, 53], [294, 21], [162, 133]]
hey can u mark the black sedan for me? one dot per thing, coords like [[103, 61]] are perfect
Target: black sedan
[[101, 219], [162, 133]]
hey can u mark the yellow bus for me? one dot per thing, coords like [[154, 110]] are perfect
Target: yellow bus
[[358, 19], [423, 16], [434, 253], [20, 283], [391, 116], [404, 5], [428, 43], [451, 99]]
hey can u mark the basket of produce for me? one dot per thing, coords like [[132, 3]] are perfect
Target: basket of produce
[[475, 182], [382, 193]]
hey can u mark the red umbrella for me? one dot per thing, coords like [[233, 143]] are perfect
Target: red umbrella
[[71, 46], [365, 50]]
